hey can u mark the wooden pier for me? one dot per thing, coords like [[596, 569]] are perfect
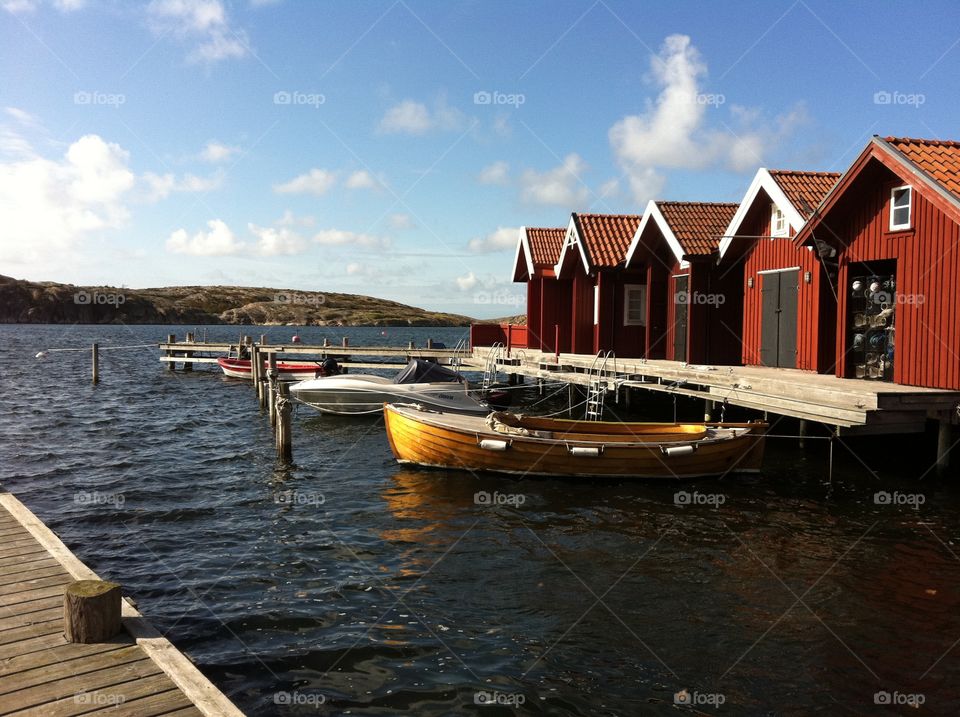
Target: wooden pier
[[138, 673]]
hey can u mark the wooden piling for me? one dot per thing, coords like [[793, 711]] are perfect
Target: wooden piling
[[95, 363], [283, 433], [188, 365], [171, 339], [346, 341], [91, 611], [326, 342], [802, 432], [708, 406], [944, 444], [410, 345], [429, 343], [263, 339], [272, 379]]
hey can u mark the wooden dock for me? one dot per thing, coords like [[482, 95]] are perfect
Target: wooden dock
[[137, 673]]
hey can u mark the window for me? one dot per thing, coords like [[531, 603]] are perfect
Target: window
[[901, 203], [596, 305], [635, 305], [778, 222]]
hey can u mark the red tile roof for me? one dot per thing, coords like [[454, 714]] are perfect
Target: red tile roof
[[698, 226], [940, 160], [607, 236], [805, 190], [545, 244]]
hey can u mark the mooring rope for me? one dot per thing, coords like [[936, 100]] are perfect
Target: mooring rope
[[43, 353]]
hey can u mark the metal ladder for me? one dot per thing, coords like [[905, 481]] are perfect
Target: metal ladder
[[459, 354], [490, 369], [597, 388]]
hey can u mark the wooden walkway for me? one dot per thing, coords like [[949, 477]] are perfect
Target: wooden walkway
[[137, 673]]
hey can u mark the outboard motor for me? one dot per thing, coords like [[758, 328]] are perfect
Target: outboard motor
[[329, 367]]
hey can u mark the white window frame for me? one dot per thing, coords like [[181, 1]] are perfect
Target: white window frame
[[778, 217], [596, 304], [627, 290], [909, 208]]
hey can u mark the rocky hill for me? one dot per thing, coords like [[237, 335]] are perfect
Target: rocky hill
[[26, 302]]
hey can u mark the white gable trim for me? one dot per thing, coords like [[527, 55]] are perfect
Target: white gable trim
[[765, 181], [571, 238], [523, 245], [653, 214]]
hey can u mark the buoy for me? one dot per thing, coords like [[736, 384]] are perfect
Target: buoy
[[42, 354], [295, 339]]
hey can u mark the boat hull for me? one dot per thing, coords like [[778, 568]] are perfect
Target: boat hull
[[286, 370], [437, 440], [360, 395]]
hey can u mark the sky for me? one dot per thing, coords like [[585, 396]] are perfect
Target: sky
[[394, 148]]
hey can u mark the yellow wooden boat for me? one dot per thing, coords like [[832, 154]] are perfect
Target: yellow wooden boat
[[532, 446]]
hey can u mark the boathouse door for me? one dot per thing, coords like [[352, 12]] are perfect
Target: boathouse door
[[778, 319], [681, 300]]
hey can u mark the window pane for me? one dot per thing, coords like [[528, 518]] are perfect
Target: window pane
[[901, 216]]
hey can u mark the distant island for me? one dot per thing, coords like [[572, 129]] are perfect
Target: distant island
[[27, 302]]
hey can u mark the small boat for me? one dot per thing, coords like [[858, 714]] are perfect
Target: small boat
[[529, 446], [286, 370], [422, 382]]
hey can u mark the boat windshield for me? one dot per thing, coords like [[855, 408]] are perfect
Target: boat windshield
[[420, 371]]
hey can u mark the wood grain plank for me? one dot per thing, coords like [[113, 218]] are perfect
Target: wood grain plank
[[27, 632], [7, 592], [60, 653], [99, 701], [30, 618], [68, 669], [34, 573]]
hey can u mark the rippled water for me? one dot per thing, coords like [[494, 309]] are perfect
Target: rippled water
[[346, 584]]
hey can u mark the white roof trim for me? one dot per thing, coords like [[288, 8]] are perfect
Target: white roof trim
[[523, 243], [653, 213], [569, 239], [765, 181]]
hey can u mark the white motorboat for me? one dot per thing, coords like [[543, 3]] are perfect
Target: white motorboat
[[423, 382]]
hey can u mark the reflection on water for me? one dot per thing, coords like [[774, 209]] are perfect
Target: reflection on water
[[379, 589]]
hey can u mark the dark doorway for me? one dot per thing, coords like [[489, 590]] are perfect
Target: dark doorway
[[681, 303]]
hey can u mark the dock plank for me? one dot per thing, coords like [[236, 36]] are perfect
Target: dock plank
[[41, 614], [105, 701], [63, 652], [71, 668], [33, 573]]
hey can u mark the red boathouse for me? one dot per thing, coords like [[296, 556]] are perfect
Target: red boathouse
[[547, 299]]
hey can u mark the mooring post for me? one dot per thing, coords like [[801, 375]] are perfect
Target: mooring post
[[171, 339], [410, 346], [95, 363], [188, 365], [283, 434], [944, 444], [707, 410], [803, 432], [346, 341], [272, 377], [326, 342], [626, 397], [91, 611], [263, 339], [570, 390]]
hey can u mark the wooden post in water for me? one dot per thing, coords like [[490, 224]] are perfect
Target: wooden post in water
[[95, 363], [429, 343], [283, 433], [171, 339], [326, 342], [272, 376], [944, 444], [346, 341], [263, 339], [91, 611], [410, 345], [188, 365], [707, 410], [803, 432]]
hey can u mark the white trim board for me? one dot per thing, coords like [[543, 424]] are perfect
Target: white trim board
[[652, 213], [779, 271], [765, 181]]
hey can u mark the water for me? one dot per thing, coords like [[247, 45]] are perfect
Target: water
[[349, 585]]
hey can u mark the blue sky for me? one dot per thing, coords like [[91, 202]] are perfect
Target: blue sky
[[394, 148]]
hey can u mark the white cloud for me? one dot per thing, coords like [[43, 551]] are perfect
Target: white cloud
[[673, 132], [400, 221], [411, 117], [289, 219], [500, 240], [160, 186], [317, 182], [361, 179], [25, 6], [219, 241], [22, 116], [204, 22], [341, 237], [273, 241], [216, 152], [496, 173], [465, 283], [560, 186], [48, 205]]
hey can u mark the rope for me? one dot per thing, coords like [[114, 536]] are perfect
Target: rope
[[43, 353]]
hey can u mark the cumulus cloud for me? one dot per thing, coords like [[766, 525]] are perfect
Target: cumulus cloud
[[25, 6], [48, 205], [415, 118], [317, 182], [673, 132], [558, 186], [361, 179], [400, 221], [218, 241], [160, 186], [500, 240], [341, 237], [202, 22], [496, 173], [277, 241], [216, 152], [466, 283]]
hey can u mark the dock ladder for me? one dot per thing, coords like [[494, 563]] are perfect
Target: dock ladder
[[491, 368], [459, 354], [597, 388]]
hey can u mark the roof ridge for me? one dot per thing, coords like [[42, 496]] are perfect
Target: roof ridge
[[804, 172], [920, 140]]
